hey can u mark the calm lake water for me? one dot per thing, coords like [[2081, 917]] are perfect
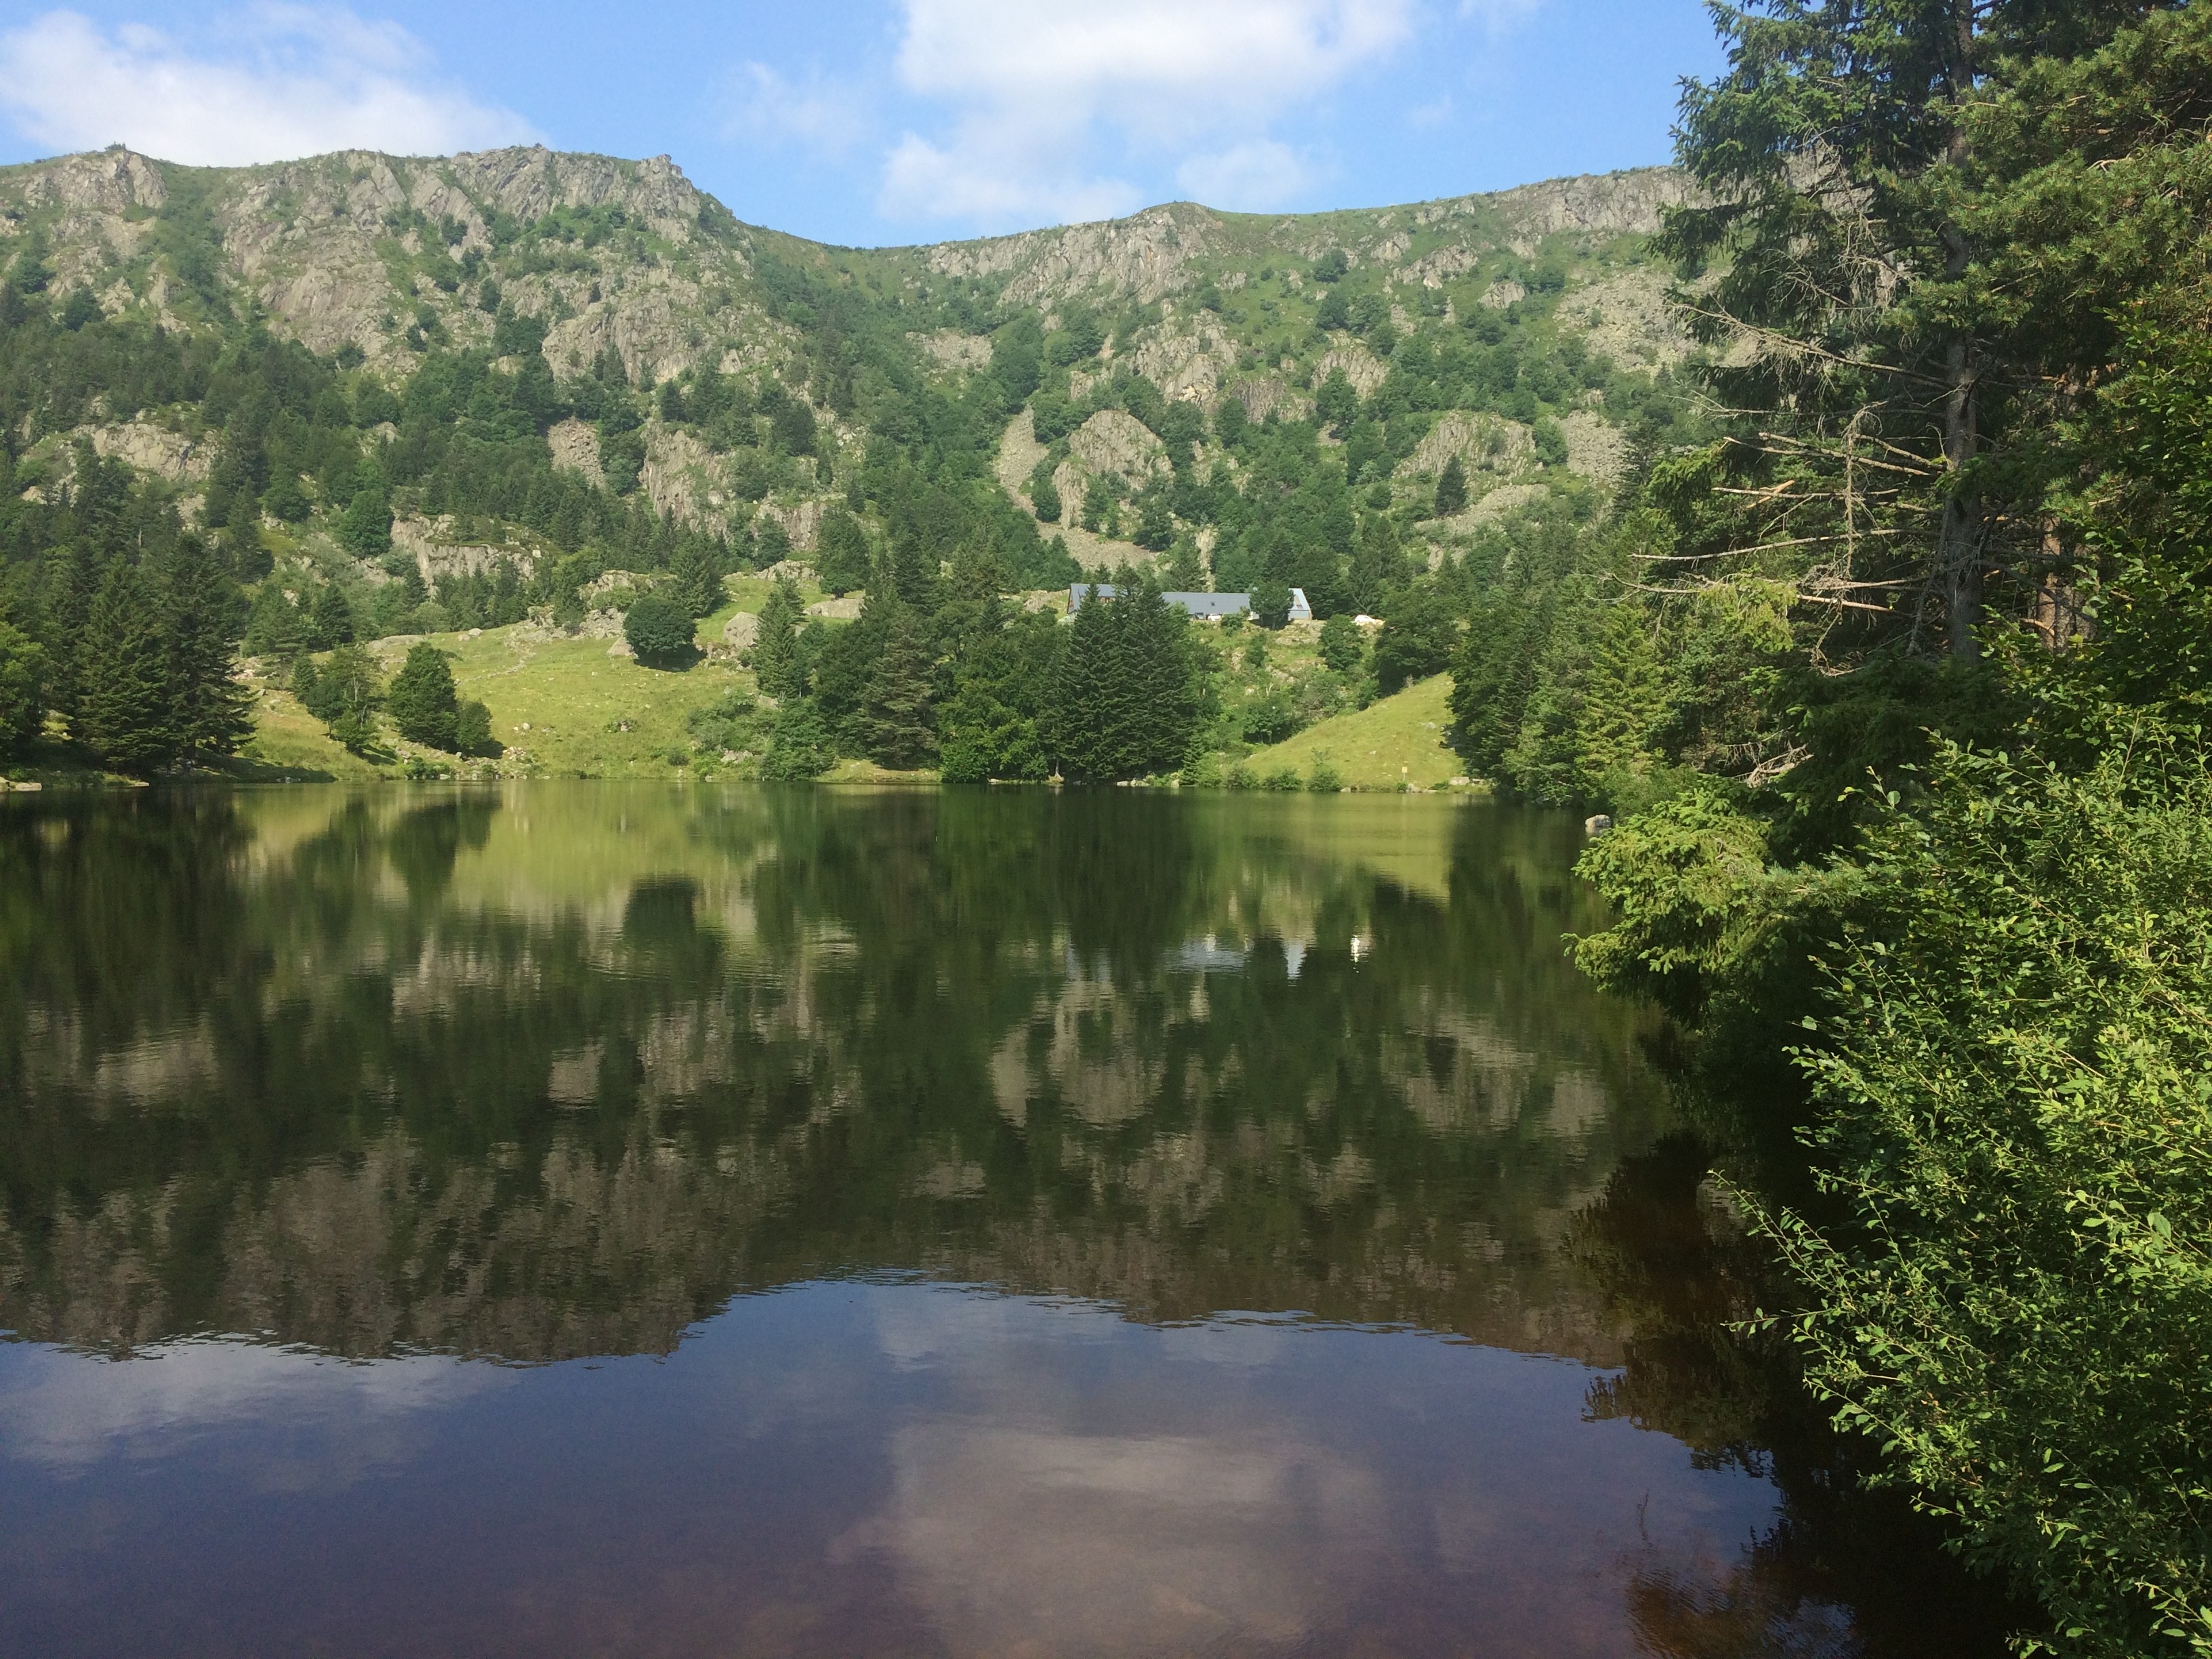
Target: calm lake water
[[607, 1220]]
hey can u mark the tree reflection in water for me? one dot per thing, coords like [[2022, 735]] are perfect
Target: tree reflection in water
[[556, 1072]]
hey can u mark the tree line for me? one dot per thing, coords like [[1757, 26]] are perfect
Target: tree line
[[1896, 683]]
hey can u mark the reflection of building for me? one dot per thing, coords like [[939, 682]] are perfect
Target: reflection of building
[[1206, 607]]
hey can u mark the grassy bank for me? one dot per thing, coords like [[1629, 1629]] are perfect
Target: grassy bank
[[1394, 740]]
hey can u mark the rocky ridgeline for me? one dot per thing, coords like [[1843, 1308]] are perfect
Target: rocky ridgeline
[[373, 252]]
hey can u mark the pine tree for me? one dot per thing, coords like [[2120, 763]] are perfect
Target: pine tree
[[775, 648], [1186, 570], [330, 618], [698, 574], [211, 711], [72, 582], [1451, 489], [1123, 702], [1378, 565], [900, 733], [1336, 401], [124, 712], [23, 690], [421, 699], [274, 626]]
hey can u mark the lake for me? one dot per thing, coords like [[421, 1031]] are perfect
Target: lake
[[585, 1219]]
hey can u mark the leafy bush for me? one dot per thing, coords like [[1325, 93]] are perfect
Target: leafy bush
[[1324, 779], [472, 731], [1271, 604], [659, 629], [1341, 647], [1270, 720], [735, 724], [23, 690], [801, 750], [422, 700], [2015, 1071]]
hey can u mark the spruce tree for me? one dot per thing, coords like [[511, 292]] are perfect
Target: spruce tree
[[274, 628], [330, 618], [211, 711], [1378, 565], [900, 734], [72, 581], [698, 571], [23, 690], [775, 648], [1186, 568], [1451, 489], [124, 706], [422, 700], [1123, 702]]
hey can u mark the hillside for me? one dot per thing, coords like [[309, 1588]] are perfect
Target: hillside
[[422, 397]]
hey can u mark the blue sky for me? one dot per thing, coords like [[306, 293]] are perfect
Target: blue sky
[[893, 120]]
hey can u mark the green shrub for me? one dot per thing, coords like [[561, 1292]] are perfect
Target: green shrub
[[1324, 779], [2015, 1077], [422, 700], [23, 690], [1341, 647], [659, 629], [1284, 782], [801, 750], [472, 731]]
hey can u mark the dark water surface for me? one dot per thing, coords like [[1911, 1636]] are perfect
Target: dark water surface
[[602, 1219]]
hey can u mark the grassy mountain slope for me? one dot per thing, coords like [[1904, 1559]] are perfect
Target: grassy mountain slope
[[457, 391], [1394, 740]]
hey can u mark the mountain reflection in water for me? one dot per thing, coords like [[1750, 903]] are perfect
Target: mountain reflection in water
[[992, 1222]]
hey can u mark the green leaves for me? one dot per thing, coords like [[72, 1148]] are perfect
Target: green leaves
[[2010, 1103]]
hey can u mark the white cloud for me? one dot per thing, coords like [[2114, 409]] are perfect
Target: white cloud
[[817, 114], [1037, 88], [276, 82], [1245, 177]]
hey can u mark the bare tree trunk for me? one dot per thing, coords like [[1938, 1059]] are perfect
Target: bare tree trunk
[[1958, 553]]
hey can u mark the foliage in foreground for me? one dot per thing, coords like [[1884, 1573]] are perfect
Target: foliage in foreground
[[2014, 1084]]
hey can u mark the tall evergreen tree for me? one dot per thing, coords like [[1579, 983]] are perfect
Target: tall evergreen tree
[[1451, 489], [1838, 154], [1124, 700], [844, 556], [22, 689], [421, 699], [775, 648], [210, 710], [1378, 565], [72, 583], [125, 715], [900, 732]]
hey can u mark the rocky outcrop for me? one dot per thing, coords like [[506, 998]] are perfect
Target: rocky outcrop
[[1483, 443], [439, 554], [1188, 358], [576, 445], [1629, 321], [950, 350], [1263, 395], [113, 180], [1114, 444], [1146, 257], [1596, 447], [801, 521], [153, 450], [1361, 367]]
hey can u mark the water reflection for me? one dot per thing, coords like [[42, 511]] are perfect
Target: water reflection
[[413, 1088]]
